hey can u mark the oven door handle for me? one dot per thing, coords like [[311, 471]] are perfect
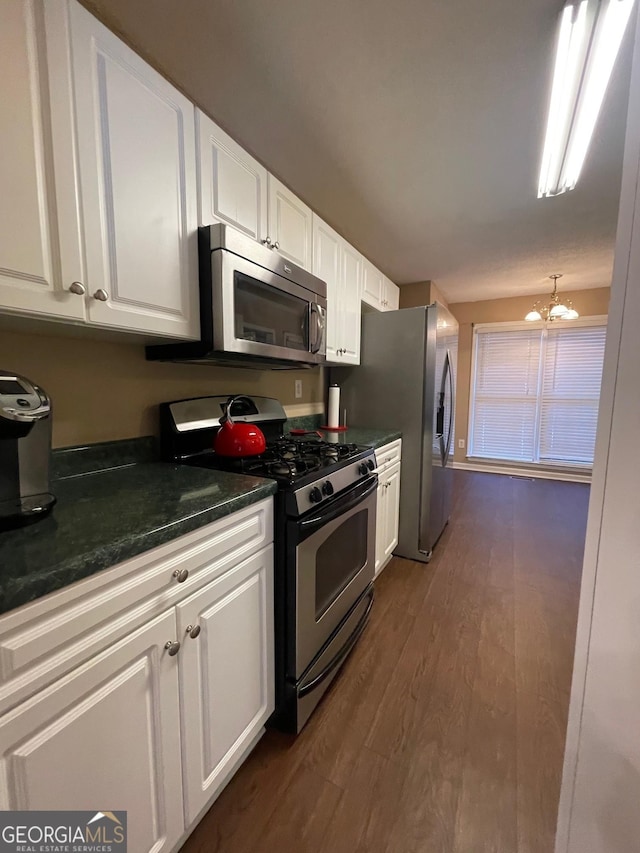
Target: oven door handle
[[344, 651], [359, 494]]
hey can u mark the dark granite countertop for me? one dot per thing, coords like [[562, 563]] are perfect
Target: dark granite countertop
[[361, 435], [106, 517]]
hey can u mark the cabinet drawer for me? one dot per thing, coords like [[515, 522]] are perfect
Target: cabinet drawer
[[43, 640], [389, 454]]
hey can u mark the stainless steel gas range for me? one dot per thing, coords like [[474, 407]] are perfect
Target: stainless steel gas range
[[324, 538]]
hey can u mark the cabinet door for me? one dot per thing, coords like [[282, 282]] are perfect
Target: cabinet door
[[327, 266], [232, 185], [104, 736], [350, 308], [372, 282], [290, 224], [226, 675], [392, 510], [391, 295], [40, 253], [381, 523], [136, 150]]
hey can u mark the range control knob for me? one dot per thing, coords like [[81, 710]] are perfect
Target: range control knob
[[315, 495], [363, 468], [370, 464], [327, 488]]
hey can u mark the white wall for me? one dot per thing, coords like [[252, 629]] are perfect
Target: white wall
[[600, 797]]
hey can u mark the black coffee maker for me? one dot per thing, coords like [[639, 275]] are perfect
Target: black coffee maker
[[25, 450]]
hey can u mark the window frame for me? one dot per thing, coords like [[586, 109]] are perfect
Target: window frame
[[521, 325]]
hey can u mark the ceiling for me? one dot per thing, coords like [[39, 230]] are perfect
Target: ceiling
[[414, 128]]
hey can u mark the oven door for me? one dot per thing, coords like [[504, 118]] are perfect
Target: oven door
[[258, 312], [334, 564]]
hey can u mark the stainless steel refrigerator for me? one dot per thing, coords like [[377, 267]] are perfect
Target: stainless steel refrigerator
[[406, 381]]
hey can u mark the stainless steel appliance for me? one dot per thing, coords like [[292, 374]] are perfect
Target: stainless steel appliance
[[255, 307], [25, 450], [325, 515], [406, 381]]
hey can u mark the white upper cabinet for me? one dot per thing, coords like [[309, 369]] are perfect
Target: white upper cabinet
[[372, 283], [350, 304], [136, 153], [40, 252], [377, 290], [290, 226], [327, 266], [340, 266], [233, 186], [391, 297]]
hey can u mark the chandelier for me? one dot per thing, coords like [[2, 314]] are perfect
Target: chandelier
[[554, 309]]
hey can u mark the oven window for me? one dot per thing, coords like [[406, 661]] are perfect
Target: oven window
[[339, 559], [268, 315]]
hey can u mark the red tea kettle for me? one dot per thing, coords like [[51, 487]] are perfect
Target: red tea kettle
[[235, 438]]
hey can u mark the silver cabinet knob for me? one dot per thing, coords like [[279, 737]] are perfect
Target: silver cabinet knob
[[267, 242], [173, 647], [181, 575], [78, 288], [276, 245], [101, 295], [193, 631]]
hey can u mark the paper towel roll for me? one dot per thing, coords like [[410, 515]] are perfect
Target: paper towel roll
[[333, 416]]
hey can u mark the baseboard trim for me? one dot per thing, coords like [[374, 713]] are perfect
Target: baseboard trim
[[536, 473]]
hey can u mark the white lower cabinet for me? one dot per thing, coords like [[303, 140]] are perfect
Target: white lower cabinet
[[157, 721], [226, 675], [388, 504], [106, 736]]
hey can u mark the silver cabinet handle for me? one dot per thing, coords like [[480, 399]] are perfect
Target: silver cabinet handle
[[173, 647], [276, 245], [267, 242], [78, 288], [193, 631], [101, 295], [181, 575]]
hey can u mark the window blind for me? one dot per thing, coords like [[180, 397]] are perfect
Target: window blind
[[506, 391], [535, 394], [572, 374]]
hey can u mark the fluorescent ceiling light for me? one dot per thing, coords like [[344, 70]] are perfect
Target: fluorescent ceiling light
[[589, 39]]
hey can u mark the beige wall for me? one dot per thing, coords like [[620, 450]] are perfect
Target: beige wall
[[419, 293], [104, 390], [587, 302]]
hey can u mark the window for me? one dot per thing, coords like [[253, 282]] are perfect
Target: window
[[535, 392]]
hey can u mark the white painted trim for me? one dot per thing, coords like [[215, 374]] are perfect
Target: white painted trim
[[517, 325], [301, 410], [537, 473], [610, 400]]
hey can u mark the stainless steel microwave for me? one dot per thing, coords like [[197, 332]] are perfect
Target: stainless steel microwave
[[256, 308]]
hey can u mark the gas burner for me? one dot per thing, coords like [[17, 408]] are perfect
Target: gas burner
[[282, 468]]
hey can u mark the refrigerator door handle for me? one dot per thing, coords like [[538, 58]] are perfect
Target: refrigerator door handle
[[440, 416], [449, 376]]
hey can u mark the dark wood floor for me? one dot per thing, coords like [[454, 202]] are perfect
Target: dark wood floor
[[445, 730]]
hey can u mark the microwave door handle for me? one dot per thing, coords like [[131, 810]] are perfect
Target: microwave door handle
[[314, 309]]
